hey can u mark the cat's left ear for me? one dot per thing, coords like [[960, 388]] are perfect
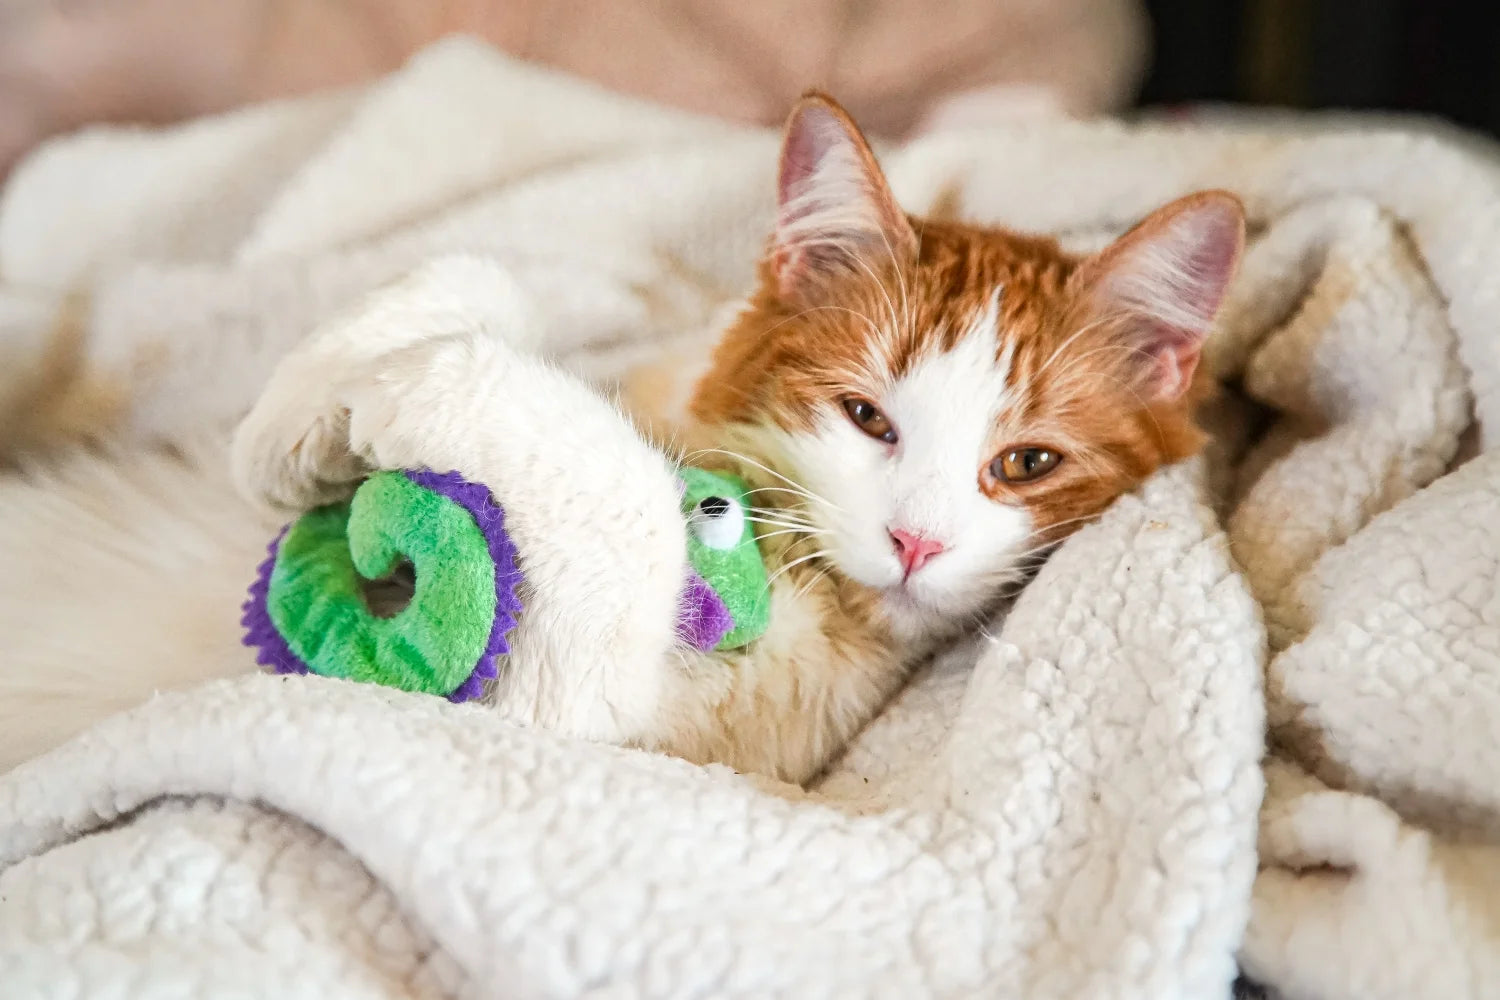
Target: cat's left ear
[[836, 215], [1160, 285]]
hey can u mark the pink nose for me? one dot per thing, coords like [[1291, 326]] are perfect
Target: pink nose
[[914, 550]]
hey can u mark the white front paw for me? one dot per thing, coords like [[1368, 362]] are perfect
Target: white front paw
[[432, 403], [293, 450]]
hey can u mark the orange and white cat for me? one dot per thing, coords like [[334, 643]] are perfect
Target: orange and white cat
[[926, 408], [922, 408]]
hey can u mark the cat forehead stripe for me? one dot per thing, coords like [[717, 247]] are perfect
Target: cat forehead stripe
[[990, 316], [961, 380]]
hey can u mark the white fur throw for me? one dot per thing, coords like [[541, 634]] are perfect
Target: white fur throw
[[1070, 806]]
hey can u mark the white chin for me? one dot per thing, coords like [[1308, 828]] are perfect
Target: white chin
[[914, 607], [932, 598], [911, 616], [915, 597]]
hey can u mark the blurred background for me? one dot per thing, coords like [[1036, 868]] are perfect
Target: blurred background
[[900, 65], [1439, 57]]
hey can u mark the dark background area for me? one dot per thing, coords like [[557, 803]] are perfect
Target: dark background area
[[1434, 56]]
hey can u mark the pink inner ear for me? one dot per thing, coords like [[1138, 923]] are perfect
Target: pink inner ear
[[808, 139], [1172, 272], [1178, 364], [834, 206], [1210, 259], [815, 192]]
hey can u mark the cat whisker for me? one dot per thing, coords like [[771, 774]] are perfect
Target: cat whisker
[[896, 268], [864, 266], [1032, 558], [793, 530], [821, 553], [780, 489], [779, 514], [791, 525], [1066, 377], [873, 327], [1026, 389], [1072, 520], [811, 583], [1081, 331], [756, 516], [799, 488], [1090, 463], [780, 522], [799, 541], [788, 531], [1037, 554], [1131, 389], [890, 306]]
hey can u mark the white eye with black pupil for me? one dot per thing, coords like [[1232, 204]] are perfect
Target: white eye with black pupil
[[718, 522]]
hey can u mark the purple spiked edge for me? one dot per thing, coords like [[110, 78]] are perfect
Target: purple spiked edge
[[260, 632], [475, 498]]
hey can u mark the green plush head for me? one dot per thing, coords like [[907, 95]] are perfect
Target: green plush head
[[723, 551]]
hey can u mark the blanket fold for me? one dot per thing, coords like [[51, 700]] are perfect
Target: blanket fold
[[545, 867]]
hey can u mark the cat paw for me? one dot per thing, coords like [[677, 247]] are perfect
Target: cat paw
[[293, 450]]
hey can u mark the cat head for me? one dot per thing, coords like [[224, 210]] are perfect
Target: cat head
[[958, 398]]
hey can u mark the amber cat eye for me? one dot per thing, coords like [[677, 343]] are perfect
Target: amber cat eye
[[869, 419], [1024, 465]]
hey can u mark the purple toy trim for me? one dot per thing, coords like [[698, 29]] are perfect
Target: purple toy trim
[[702, 618], [475, 498], [272, 648], [260, 632]]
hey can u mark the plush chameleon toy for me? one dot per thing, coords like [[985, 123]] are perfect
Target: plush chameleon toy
[[308, 610]]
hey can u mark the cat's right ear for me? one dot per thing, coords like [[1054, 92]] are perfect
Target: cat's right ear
[[1162, 283], [835, 212]]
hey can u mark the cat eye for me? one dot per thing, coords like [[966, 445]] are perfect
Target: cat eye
[[1024, 465], [717, 522], [869, 419]]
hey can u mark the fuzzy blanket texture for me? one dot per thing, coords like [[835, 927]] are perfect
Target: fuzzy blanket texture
[[1078, 803]]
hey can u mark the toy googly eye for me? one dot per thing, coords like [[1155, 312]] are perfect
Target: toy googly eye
[[718, 522]]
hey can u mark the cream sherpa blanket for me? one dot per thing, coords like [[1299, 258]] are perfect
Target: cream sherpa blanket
[[1070, 806]]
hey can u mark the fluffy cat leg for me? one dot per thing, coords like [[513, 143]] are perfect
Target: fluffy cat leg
[[124, 577]]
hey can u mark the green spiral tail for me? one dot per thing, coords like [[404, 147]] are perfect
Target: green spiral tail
[[307, 612]]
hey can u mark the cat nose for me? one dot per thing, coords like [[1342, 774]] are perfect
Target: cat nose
[[914, 550]]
